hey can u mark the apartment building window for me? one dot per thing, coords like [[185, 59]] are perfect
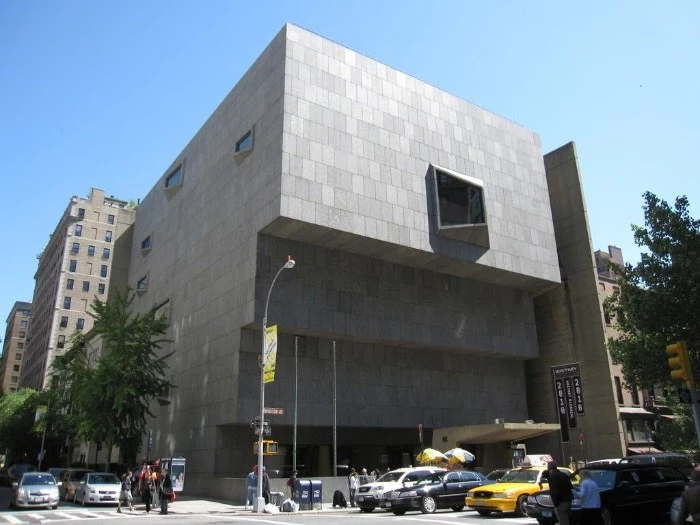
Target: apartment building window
[[81, 213], [15, 368], [86, 286], [618, 391], [142, 285], [146, 243], [80, 323], [25, 313], [91, 251], [108, 236], [66, 302], [78, 230], [69, 284], [245, 143], [635, 396], [110, 219], [101, 288], [64, 321], [22, 335], [18, 357], [105, 253], [61, 341], [73, 265], [20, 346], [14, 379], [23, 323], [75, 248], [175, 178], [103, 270]]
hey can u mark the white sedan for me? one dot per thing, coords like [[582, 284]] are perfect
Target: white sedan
[[98, 488], [34, 489]]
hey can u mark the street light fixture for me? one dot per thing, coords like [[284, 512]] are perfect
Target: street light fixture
[[259, 505]]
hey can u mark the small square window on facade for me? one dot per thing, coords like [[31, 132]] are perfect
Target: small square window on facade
[[86, 286], [103, 270], [105, 253], [22, 335], [14, 379], [80, 323], [108, 236], [142, 284], [69, 284], [101, 288], [110, 219], [81, 213], [175, 178], [20, 346], [245, 143], [459, 201], [91, 251], [78, 230], [73, 265], [146, 243], [61, 341], [23, 323], [66, 302], [18, 357], [64, 321], [75, 248], [15, 368]]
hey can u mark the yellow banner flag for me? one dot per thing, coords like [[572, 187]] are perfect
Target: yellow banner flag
[[40, 419], [270, 358]]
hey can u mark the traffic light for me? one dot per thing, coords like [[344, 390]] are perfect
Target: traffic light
[[269, 447], [679, 363]]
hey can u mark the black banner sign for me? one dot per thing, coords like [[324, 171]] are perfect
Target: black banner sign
[[570, 410], [568, 395], [560, 395]]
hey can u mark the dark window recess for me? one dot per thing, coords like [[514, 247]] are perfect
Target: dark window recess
[[618, 391], [73, 265], [460, 202], [80, 323], [69, 284], [81, 213], [66, 303], [103, 270], [142, 284], [108, 236], [245, 143], [174, 178], [61, 341], [105, 253], [64, 321], [86, 286], [78, 230], [75, 248], [101, 288], [635, 396], [146, 243], [91, 251], [110, 219]]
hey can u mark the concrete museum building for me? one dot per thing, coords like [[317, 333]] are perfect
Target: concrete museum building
[[443, 267]]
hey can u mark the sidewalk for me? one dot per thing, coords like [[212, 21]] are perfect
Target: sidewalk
[[194, 505]]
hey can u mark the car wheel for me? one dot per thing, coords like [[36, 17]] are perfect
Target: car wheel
[[55, 506], [484, 512], [520, 506], [366, 509], [399, 512], [457, 508], [428, 505], [607, 517]]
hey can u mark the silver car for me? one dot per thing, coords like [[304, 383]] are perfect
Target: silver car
[[35, 489], [98, 488]]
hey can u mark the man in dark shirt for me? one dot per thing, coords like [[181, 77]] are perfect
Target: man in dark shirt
[[560, 491]]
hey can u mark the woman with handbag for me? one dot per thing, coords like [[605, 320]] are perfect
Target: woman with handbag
[[166, 490]]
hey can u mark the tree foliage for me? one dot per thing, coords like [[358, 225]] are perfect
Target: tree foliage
[[109, 402], [658, 303], [17, 418]]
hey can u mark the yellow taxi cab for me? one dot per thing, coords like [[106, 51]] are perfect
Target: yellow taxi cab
[[511, 492]]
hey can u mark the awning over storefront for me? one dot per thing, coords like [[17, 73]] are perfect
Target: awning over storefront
[[495, 432], [644, 450], [636, 413]]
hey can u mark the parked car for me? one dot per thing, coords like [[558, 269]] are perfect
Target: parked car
[[598, 462], [35, 489], [629, 493], [56, 472], [497, 474], [668, 459], [369, 496], [14, 473], [510, 493], [98, 488], [69, 480], [438, 490]]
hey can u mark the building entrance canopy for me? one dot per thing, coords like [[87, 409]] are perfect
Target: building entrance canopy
[[494, 432]]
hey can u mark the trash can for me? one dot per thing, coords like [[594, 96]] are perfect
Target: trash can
[[276, 498], [304, 494], [316, 494]]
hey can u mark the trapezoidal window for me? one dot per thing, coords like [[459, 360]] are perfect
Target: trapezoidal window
[[244, 146], [461, 213], [175, 178]]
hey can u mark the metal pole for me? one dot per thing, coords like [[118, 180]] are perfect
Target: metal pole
[[696, 410], [259, 503], [296, 394], [43, 434], [335, 428]]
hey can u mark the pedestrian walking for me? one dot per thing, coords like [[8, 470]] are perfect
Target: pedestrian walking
[[165, 490], [590, 500], [251, 483], [560, 490], [125, 494], [352, 486], [266, 486], [292, 484], [147, 488], [690, 500]]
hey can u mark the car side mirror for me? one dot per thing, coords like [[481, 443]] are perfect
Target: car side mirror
[[15, 484], [58, 484]]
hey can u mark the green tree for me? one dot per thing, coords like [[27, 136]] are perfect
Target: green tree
[[658, 301], [110, 401], [17, 419]]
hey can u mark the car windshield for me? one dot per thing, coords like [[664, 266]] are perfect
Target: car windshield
[[391, 476], [103, 479], [520, 476], [38, 479], [76, 475], [496, 474], [430, 479], [605, 479]]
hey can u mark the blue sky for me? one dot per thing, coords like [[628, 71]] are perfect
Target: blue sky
[[106, 94]]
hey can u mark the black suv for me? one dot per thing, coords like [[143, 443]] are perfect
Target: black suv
[[629, 493], [667, 459]]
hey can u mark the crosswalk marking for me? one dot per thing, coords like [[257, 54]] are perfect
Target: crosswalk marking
[[11, 519], [67, 516]]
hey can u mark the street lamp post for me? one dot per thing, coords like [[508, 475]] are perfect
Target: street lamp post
[[259, 505]]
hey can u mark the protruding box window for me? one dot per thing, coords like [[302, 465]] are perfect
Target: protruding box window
[[175, 178], [245, 143], [142, 284], [146, 244]]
